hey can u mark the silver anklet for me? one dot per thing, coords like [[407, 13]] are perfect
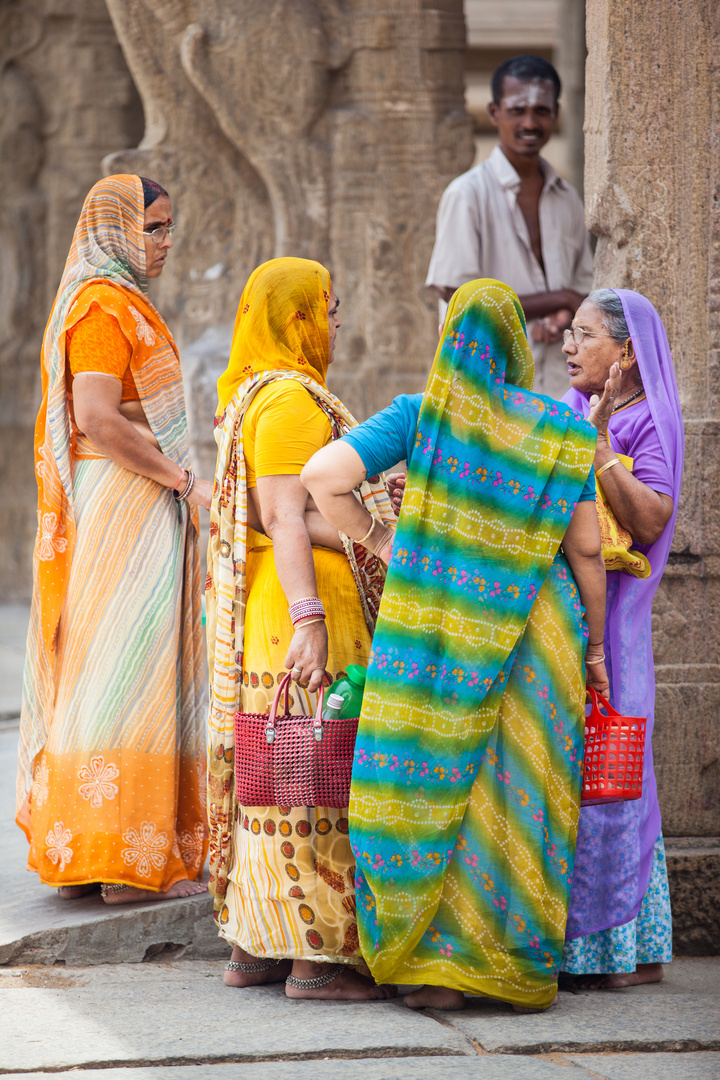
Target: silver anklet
[[105, 890], [320, 980], [248, 969]]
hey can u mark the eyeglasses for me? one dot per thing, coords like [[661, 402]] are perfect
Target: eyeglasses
[[158, 234], [578, 334]]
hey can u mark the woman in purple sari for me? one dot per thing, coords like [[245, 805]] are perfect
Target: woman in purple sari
[[622, 379]]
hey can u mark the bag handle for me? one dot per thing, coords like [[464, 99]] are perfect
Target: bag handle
[[284, 684], [598, 700]]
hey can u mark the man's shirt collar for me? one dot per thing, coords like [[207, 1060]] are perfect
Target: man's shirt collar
[[508, 178]]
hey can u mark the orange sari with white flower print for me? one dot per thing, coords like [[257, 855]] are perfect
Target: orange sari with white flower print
[[111, 778]]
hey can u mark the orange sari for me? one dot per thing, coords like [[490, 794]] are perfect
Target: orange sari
[[111, 778]]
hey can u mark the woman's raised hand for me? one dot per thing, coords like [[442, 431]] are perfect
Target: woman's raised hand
[[308, 654], [601, 407]]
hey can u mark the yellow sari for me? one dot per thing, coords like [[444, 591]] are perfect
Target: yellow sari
[[282, 878]]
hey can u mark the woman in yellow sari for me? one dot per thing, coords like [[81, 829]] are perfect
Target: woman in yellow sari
[[111, 778], [282, 593]]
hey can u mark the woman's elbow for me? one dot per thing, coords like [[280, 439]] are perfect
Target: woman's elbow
[[311, 475]]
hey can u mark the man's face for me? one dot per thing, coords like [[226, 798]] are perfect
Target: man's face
[[526, 115]]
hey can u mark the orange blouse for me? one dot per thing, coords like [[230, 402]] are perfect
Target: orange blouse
[[96, 343]]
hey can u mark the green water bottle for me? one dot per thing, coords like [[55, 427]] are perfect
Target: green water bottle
[[350, 689]]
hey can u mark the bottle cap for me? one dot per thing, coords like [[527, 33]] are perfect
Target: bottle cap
[[357, 674], [334, 701]]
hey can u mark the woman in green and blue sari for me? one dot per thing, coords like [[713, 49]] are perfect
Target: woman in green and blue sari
[[466, 782]]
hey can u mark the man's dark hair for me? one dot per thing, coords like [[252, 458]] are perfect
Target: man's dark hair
[[525, 69], [151, 191]]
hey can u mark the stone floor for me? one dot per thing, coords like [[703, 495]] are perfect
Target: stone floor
[[137, 994]]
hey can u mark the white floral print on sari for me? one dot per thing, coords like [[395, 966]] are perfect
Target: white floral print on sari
[[58, 840], [142, 328], [191, 846], [98, 777], [40, 787], [49, 541], [146, 848]]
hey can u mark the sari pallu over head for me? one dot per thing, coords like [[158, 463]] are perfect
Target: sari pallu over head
[[281, 332], [616, 843], [106, 265], [491, 487]]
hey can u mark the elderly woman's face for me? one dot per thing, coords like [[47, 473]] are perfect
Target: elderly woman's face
[[157, 216], [333, 322], [589, 363]]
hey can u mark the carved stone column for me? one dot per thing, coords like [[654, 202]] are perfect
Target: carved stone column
[[302, 127], [652, 178], [54, 130]]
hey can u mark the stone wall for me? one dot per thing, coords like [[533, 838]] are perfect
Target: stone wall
[[66, 98], [345, 167], [652, 193]]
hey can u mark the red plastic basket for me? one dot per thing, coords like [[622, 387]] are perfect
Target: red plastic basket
[[293, 760], [614, 754]]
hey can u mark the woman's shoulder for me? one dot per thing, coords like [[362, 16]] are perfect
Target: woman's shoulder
[[284, 398], [632, 426]]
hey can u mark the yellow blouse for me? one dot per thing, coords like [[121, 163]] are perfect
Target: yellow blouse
[[282, 429]]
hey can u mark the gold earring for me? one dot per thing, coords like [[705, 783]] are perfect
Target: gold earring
[[625, 362]]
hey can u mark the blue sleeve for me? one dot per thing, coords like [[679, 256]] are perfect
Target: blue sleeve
[[588, 492], [388, 436]]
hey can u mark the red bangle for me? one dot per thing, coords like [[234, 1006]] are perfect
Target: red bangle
[[181, 481]]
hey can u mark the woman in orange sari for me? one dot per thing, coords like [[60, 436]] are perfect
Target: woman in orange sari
[[111, 779]]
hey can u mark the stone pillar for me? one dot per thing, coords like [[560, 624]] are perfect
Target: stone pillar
[[652, 177], [66, 98], [309, 128]]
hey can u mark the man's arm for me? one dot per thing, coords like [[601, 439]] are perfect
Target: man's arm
[[456, 255]]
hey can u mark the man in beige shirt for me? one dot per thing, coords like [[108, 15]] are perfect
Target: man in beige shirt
[[513, 218]]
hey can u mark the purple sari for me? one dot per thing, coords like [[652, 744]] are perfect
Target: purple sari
[[614, 853]]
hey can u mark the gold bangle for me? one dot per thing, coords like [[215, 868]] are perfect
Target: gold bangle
[[607, 465], [320, 618], [372, 526], [600, 660]]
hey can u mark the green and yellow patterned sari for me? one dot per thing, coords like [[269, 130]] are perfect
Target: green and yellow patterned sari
[[466, 785]]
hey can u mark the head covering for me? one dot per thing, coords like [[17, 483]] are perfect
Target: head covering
[[281, 324], [604, 850], [491, 488], [107, 253]]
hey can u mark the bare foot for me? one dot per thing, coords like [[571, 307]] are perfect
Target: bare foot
[[74, 892], [643, 973], [530, 1009], [436, 997], [132, 895], [347, 986], [277, 973]]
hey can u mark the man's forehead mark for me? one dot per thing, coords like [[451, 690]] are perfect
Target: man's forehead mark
[[538, 92]]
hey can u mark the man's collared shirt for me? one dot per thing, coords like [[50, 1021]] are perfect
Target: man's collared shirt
[[481, 232]]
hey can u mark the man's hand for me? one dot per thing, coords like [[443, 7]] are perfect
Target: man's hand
[[550, 328]]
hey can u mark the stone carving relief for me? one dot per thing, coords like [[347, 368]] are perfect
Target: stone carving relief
[[55, 126], [315, 128]]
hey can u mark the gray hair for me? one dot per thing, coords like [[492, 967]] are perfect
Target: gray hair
[[611, 307]]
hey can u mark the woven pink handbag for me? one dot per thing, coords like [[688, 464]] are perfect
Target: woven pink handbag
[[293, 760]]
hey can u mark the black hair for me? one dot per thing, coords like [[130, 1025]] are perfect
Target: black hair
[[151, 191], [525, 69]]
